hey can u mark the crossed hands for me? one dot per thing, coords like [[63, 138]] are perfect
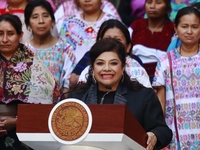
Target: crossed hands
[[7, 124], [151, 141]]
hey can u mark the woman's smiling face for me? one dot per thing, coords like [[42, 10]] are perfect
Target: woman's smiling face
[[108, 70]]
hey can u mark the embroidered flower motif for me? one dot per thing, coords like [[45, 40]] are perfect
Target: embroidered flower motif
[[197, 71], [8, 85], [183, 82], [41, 80], [53, 69], [71, 55], [189, 143], [17, 89], [198, 119], [193, 105], [67, 34], [20, 67], [17, 77], [37, 67], [180, 119], [178, 72], [185, 138], [89, 30]]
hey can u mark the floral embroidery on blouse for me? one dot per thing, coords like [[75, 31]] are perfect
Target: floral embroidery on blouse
[[80, 34], [59, 59], [89, 30], [26, 78], [186, 87]]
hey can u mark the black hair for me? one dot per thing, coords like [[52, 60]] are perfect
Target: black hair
[[197, 5], [14, 21], [107, 45], [35, 3], [113, 23], [186, 11], [168, 8]]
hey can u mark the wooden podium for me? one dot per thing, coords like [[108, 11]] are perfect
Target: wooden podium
[[113, 128]]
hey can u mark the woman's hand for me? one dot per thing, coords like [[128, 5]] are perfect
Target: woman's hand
[[151, 141], [73, 80], [7, 124]]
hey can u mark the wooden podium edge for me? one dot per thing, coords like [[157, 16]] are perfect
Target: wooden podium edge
[[139, 133], [33, 118]]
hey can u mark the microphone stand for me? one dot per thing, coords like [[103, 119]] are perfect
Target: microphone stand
[[103, 97]]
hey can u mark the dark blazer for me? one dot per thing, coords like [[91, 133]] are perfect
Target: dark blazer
[[144, 105]]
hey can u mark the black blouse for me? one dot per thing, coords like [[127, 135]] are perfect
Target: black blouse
[[105, 97]]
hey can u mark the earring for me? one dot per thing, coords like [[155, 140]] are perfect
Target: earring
[[93, 78], [29, 29]]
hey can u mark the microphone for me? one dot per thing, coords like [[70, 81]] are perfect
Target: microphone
[[110, 90]]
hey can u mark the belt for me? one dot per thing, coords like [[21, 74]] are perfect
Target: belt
[[8, 109]]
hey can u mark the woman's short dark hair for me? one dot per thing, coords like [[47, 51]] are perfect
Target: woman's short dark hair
[[35, 3], [186, 11], [197, 5], [113, 23], [107, 45], [168, 7], [14, 21]]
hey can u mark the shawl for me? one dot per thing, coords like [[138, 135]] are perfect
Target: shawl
[[25, 78], [90, 97]]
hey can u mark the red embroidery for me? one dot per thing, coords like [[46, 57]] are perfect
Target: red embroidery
[[89, 30], [67, 34]]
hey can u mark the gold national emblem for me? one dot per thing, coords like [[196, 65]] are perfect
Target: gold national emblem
[[69, 121]]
